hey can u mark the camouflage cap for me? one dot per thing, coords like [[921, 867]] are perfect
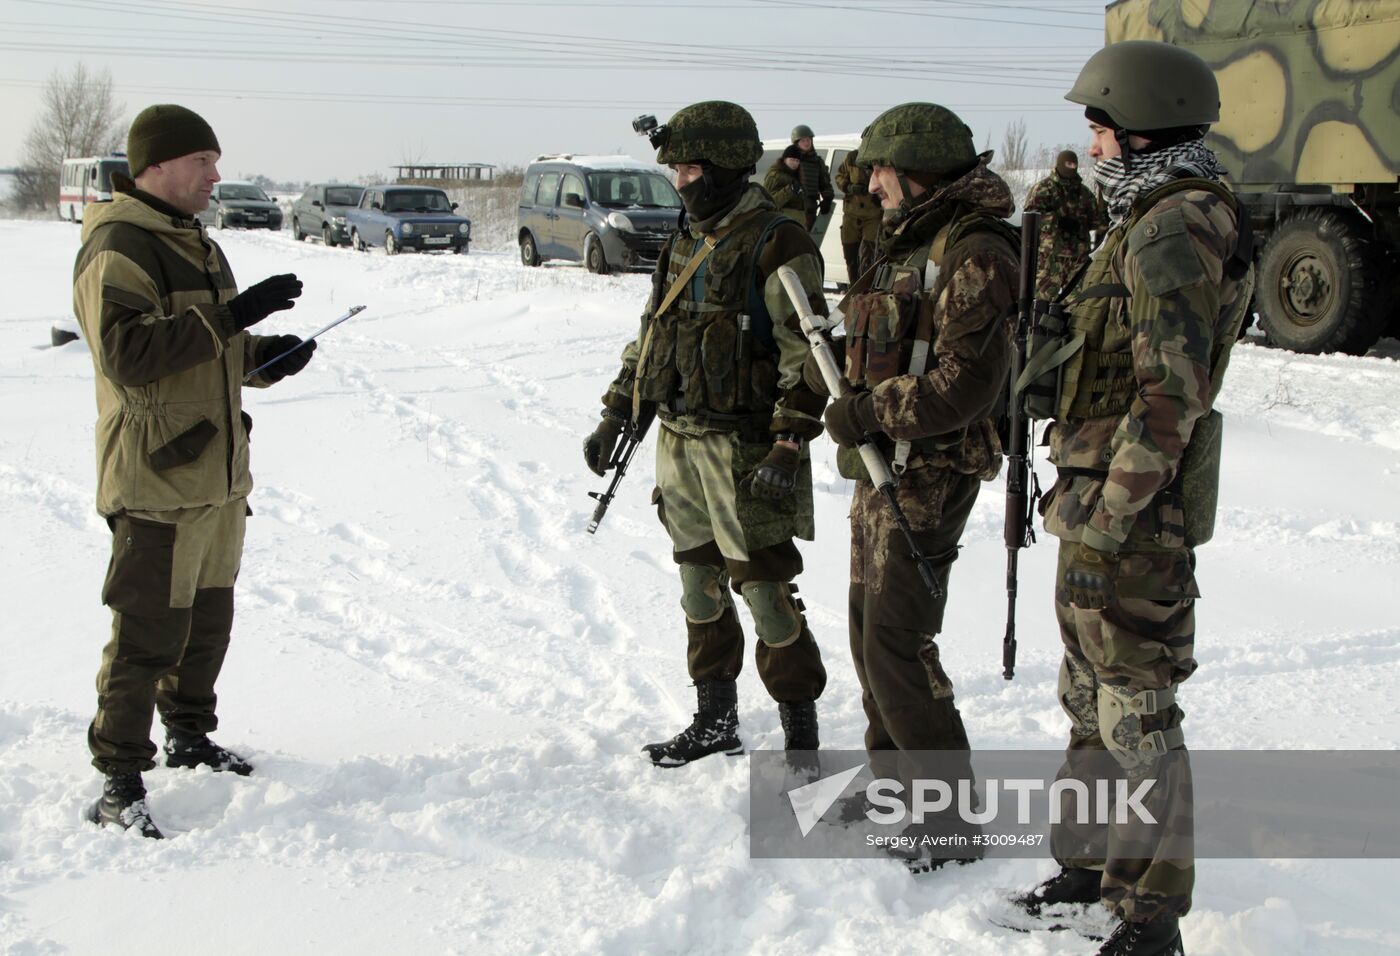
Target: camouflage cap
[[720, 133], [1145, 85], [802, 131], [923, 137]]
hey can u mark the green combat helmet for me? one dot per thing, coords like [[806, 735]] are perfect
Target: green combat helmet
[[802, 131], [720, 133], [1145, 85], [923, 137]]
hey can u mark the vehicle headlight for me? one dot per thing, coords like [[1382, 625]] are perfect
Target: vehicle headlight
[[338, 220], [619, 221], [465, 229], [408, 229]]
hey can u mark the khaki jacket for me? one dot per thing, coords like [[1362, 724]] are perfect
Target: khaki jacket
[[150, 290]]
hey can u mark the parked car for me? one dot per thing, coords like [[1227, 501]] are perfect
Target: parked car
[[241, 204], [320, 211], [404, 218], [608, 212]]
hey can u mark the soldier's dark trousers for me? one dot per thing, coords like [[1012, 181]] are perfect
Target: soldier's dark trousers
[[906, 692], [1135, 645], [170, 588], [715, 650], [851, 252]]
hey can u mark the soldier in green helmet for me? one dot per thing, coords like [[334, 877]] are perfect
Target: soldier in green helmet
[[818, 198], [927, 351], [719, 357], [1136, 444]]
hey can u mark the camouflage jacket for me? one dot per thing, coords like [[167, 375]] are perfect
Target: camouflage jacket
[[796, 408], [1176, 316], [853, 180], [946, 411], [785, 187], [1068, 211]]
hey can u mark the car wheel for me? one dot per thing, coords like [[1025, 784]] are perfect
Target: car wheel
[[462, 249], [356, 242], [327, 237], [391, 245], [219, 221], [528, 253], [594, 257], [297, 234]]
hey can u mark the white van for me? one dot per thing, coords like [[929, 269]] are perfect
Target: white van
[[87, 179], [833, 150]]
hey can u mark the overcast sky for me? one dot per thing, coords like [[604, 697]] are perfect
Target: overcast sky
[[322, 89]]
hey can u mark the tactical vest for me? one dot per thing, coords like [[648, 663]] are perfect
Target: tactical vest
[[1079, 360], [890, 320], [710, 353]]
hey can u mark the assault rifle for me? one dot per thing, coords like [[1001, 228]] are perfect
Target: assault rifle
[[633, 433], [1018, 531], [814, 327]]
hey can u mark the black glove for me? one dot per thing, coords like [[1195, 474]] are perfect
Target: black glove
[[797, 189], [257, 302], [826, 207], [288, 364], [598, 447], [850, 418], [1090, 580], [776, 475]]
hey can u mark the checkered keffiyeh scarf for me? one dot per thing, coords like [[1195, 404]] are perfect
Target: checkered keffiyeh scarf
[[1121, 183]]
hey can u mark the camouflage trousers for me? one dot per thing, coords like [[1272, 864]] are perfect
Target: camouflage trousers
[[723, 532], [905, 690], [1138, 644], [170, 587]]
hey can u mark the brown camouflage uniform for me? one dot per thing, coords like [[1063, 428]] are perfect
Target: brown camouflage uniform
[[1175, 308], [1068, 211], [945, 414], [860, 216]]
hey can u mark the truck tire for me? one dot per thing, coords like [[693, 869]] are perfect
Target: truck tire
[[594, 258], [1316, 285], [529, 254]]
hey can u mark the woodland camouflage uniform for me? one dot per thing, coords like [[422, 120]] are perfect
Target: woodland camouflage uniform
[[1068, 213]]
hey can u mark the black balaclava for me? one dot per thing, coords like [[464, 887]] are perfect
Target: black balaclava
[[715, 193], [1063, 167]]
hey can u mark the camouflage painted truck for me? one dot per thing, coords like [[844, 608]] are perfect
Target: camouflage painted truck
[[1310, 132]]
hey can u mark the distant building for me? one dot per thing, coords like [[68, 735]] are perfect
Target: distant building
[[443, 174]]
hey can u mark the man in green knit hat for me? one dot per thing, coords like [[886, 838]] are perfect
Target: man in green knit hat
[[168, 332]]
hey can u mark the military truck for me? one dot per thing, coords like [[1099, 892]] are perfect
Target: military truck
[[1310, 133]]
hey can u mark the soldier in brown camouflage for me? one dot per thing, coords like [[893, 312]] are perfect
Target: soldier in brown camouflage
[[1068, 214], [720, 358], [926, 353], [860, 216], [1135, 440]]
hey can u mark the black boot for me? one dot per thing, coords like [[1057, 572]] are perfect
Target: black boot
[[715, 728], [799, 725], [1158, 937], [123, 804], [200, 751], [1070, 885]]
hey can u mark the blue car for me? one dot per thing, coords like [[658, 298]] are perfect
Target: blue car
[[408, 218]]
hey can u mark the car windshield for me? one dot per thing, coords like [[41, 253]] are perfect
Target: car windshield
[[405, 200], [624, 189], [347, 196], [243, 192], [106, 168]]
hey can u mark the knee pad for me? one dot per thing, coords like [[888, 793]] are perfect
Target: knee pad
[[776, 615], [1078, 692], [704, 592], [1120, 725]]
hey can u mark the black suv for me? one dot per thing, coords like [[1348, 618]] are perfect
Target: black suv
[[320, 211], [609, 212]]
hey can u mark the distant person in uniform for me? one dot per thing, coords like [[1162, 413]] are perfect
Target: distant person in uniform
[[1068, 215], [860, 216], [817, 195], [784, 184]]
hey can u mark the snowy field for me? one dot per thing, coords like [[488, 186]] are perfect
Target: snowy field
[[444, 681]]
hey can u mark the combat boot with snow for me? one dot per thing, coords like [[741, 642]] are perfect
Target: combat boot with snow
[[715, 728], [123, 804], [1158, 937], [200, 751], [1071, 885]]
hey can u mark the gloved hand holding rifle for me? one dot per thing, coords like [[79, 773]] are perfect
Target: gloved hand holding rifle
[[814, 328]]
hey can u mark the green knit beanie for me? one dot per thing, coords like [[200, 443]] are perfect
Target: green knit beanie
[[166, 131]]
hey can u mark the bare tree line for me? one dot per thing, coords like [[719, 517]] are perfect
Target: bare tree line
[[78, 117]]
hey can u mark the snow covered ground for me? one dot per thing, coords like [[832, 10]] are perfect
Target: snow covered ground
[[444, 681]]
